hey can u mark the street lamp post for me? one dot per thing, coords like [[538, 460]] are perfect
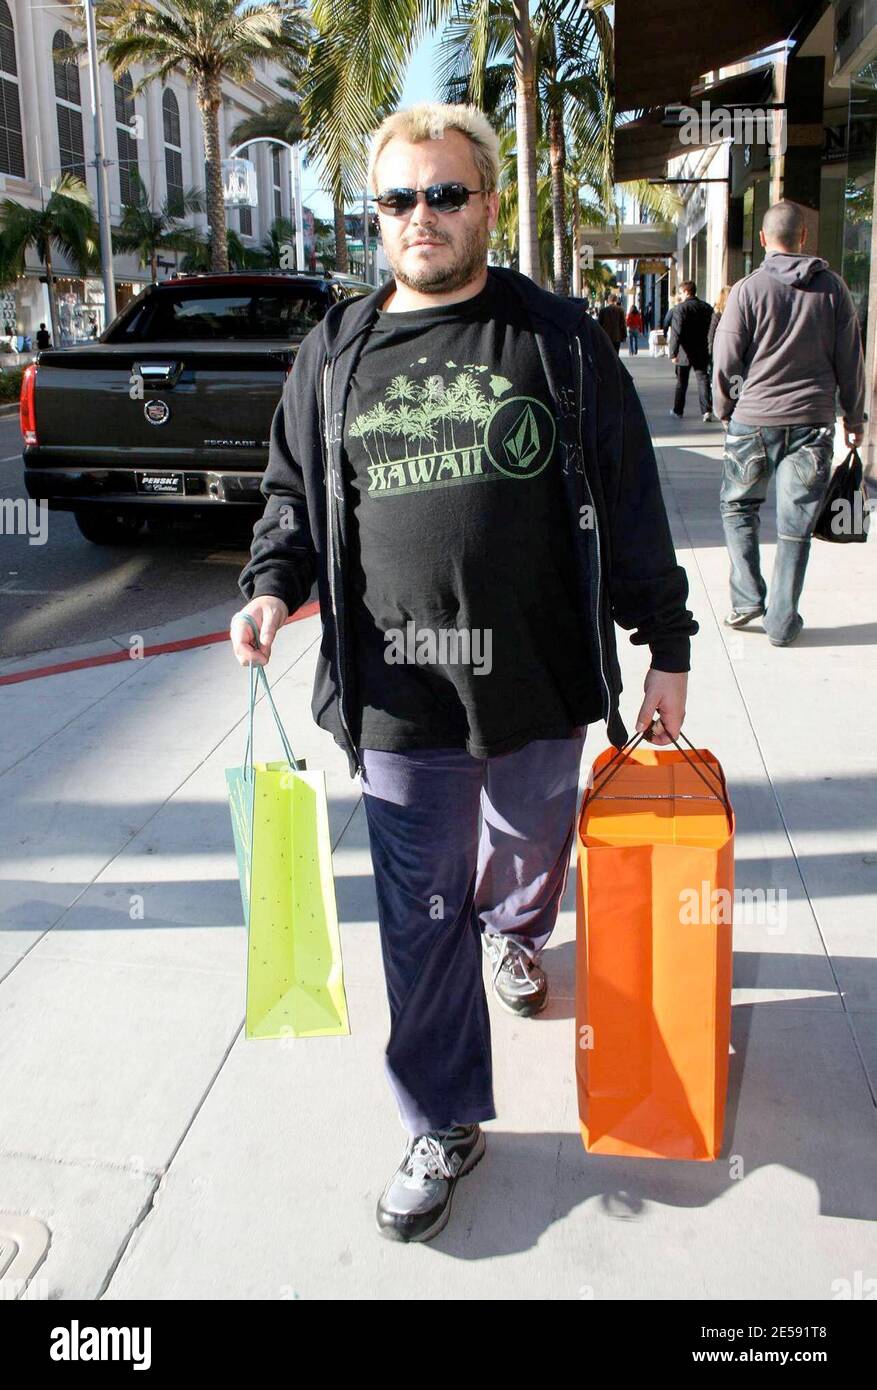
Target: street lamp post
[[103, 191], [295, 187]]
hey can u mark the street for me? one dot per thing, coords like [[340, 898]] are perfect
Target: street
[[67, 591]]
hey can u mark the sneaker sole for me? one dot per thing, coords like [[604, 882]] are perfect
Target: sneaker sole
[[390, 1233], [518, 1013]]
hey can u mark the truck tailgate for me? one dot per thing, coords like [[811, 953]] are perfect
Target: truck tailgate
[[159, 405]]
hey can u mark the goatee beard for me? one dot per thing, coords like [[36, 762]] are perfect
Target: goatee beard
[[440, 279]]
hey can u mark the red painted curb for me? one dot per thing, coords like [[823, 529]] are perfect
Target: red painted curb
[[307, 610]]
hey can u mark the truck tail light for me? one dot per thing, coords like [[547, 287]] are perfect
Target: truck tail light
[[27, 408]]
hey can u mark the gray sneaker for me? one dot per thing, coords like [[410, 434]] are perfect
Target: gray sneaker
[[739, 617], [520, 984], [416, 1203]]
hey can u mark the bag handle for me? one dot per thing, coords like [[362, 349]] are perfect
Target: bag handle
[[852, 460], [623, 753], [248, 751]]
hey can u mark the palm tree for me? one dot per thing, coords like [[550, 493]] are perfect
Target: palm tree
[[147, 233], [281, 235], [355, 69], [357, 66], [206, 40], [199, 253], [572, 54], [65, 223]]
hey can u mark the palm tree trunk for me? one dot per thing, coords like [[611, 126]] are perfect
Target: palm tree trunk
[[209, 98], [153, 266], [557, 152], [525, 126], [342, 261], [576, 255], [53, 305]]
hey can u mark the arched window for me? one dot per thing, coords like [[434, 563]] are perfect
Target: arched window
[[173, 150], [11, 146], [127, 143], [68, 105]]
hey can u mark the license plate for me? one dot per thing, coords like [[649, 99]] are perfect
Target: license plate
[[160, 482]]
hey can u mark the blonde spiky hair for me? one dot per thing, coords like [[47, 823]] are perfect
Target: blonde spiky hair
[[429, 120]]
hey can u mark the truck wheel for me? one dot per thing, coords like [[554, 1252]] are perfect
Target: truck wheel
[[108, 528]]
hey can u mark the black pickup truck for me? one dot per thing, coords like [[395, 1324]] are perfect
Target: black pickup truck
[[169, 411]]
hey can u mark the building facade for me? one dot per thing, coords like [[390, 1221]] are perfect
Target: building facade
[[816, 78], [46, 129]]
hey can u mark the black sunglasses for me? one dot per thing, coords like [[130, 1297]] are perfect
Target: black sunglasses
[[441, 197]]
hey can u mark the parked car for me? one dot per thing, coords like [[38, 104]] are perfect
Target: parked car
[[168, 413]]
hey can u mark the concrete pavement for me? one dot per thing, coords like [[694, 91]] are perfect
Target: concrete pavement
[[168, 1158]]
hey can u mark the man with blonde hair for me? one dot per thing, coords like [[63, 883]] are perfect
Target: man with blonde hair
[[464, 465]]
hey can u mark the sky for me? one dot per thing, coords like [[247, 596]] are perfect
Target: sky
[[419, 86]]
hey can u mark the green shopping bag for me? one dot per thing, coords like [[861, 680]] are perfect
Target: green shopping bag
[[280, 821]]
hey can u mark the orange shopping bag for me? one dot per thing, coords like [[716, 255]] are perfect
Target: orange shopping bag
[[653, 955]]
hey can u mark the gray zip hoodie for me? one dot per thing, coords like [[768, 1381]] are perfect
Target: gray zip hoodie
[[788, 340]]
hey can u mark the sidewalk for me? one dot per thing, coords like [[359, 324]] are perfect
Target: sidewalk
[[171, 1159]]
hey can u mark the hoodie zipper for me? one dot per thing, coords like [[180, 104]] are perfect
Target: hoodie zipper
[[330, 515], [579, 395]]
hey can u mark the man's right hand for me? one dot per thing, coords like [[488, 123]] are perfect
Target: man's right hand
[[853, 438], [269, 614]]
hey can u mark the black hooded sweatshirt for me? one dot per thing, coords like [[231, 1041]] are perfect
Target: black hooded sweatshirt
[[625, 563]]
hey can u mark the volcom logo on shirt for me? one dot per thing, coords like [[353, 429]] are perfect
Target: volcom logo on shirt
[[435, 433]]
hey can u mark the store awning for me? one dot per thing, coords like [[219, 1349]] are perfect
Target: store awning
[[662, 47], [643, 147]]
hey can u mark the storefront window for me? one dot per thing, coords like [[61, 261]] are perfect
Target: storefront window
[[859, 189]]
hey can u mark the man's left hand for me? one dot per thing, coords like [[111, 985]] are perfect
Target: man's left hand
[[674, 359], [665, 693]]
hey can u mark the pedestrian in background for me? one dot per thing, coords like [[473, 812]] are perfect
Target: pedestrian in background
[[611, 320], [687, 344], [718, 310], [634, 328], [789, 339]]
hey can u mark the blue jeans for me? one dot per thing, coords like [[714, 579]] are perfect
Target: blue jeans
[[800, 455], [440, 880], [632, 341]]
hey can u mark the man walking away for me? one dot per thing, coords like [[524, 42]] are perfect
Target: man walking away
[[788, 340], [634, 328], [687, 342], [611, 320]]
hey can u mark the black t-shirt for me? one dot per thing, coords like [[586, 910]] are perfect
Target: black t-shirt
[[463, 595]]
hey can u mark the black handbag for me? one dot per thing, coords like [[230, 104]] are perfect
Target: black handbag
[[844, 514]]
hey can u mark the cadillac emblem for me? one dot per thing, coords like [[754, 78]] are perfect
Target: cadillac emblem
[[157, 412]]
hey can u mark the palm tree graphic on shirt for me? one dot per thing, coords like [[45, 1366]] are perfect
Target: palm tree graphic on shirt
[[420, 422]]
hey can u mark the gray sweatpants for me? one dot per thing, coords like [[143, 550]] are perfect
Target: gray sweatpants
[[440, 880]]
